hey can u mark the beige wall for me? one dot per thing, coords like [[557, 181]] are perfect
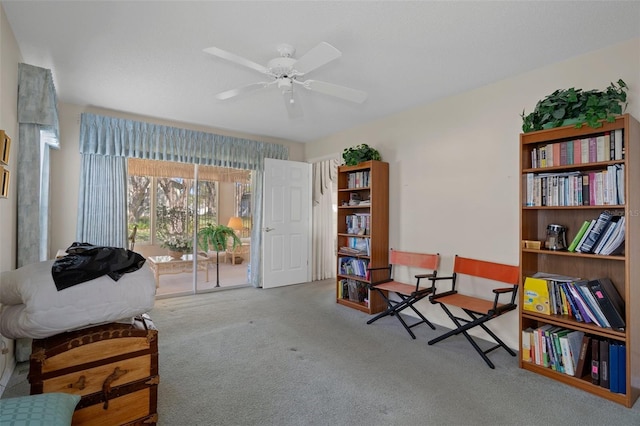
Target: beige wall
[[454, 163], [9, 59], [65, 166]]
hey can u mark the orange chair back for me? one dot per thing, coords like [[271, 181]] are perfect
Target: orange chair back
[[489, 270], [418, 260]]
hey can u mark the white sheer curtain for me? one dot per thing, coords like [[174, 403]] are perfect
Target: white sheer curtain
[[324, 217]]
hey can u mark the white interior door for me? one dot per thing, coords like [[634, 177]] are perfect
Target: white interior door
[[286, 232]]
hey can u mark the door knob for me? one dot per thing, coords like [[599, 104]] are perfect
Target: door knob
[[267, 229]]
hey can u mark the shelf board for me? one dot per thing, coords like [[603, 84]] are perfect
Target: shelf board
[[353, 277], [565, 321], [572, 254], [594, 207], [580, 383], [361, 306]]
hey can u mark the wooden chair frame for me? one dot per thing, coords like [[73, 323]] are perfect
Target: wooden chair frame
[[409, 294], [478, 310]]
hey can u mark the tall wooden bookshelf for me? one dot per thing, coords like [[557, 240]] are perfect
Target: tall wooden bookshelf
[[363, 225], [623, 269]]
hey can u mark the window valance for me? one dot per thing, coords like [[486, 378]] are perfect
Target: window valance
[[112, 136]]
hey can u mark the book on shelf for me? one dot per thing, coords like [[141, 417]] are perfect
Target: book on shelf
[[592, 237], [604, 363], [585, 309], [583, 366], [609, 300], [575, 310], [558, 362], [536, 295], [617, 367], [527, 336], [571, 344], [614, 368], [615, 243], [622, 368], [540, 344], [598, 317], [579, 235], [606, 234], [595, 361], [585, 234]]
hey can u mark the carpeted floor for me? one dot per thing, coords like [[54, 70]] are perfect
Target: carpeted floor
[[292, 356]]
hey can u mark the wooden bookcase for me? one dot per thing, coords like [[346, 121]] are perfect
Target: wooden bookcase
[[365, 225], [623, 270]]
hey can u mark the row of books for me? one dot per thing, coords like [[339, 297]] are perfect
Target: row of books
[[353, 290], [606, 147], [355, 245], [353, 266], [358, 179], [604, 235], [589, 301], [572, 352], [358, 224], [605, 187]]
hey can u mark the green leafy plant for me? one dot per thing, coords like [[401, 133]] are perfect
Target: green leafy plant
[[575, 106], [358, 154], [216, 237]]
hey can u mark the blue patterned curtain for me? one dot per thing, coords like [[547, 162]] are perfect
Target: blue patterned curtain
[[102, 136], [38, 131]]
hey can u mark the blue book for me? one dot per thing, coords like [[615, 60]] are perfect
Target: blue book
[[622, 369], [614, 382]]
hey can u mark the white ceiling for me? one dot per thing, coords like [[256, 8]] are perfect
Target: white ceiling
[[146, 57]]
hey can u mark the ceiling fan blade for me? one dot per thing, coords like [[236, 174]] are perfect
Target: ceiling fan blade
[[237, 59], [342, 92], [292, 104], [242, 90], [320, 55]]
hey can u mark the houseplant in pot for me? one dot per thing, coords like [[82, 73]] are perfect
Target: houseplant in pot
[[575, 106], [177, 246], [215, 237], [357, 154]]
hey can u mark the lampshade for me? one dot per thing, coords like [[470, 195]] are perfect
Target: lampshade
[[235, 223]]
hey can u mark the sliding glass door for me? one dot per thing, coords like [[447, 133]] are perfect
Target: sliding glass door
[[168, 203]]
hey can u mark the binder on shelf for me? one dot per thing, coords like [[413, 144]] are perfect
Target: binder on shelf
[[614, 380], [583, 366], [609, 300], [604, 363], [598, 316], [622, 368], [595, 361]]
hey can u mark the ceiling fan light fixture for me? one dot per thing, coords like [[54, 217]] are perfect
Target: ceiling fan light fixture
[[285, 71]]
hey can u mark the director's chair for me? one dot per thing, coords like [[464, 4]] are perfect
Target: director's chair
[[409, 294], [478, 310]]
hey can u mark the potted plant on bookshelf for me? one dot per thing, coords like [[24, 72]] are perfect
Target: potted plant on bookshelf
[[575, 106], [216, 237], [357, 154]]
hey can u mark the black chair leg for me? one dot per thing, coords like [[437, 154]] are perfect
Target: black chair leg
[[462, 329], [394, 309]]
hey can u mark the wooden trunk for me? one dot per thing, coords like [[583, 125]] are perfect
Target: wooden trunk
[[113, 367]]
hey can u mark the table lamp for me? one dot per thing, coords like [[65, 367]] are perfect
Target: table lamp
[[235, 223]]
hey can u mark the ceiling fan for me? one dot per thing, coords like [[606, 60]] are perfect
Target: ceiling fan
[[286, 73]]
